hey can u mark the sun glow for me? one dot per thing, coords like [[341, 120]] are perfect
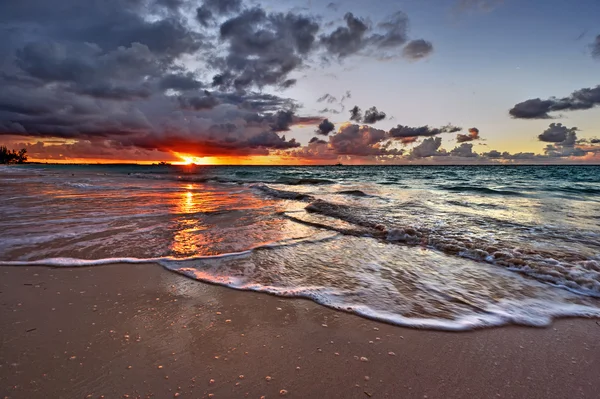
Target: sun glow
[[190, 160]]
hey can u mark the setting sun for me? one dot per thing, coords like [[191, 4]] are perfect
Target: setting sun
[[191, 160]]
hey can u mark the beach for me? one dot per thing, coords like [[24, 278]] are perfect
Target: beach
[[140, 331]]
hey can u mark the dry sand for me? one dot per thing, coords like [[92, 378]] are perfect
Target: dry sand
[[129, 331]]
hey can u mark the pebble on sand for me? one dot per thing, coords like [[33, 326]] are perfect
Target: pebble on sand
[[364, 359], [268, 378], [211, 381], [391, 354], [283, 392]]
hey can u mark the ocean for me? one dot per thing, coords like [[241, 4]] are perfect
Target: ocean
[[434, 247]]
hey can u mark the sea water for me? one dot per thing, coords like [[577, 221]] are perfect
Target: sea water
[[441, 247]]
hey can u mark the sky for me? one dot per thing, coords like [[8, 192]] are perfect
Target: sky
[[301, 82]]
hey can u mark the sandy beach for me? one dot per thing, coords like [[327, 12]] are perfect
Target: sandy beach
[[139, 331]]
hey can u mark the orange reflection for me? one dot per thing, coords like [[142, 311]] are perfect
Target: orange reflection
[[210, 220], [185, 239]]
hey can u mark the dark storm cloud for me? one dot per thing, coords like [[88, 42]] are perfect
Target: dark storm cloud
[[401, 131], [271, 140], [372, 115], [473, 135], [355, 114], [325, 127], [347, 40], [465, 150], [564, 139], [359, 36], [282, 121], [118, 71], [263, 49], [417, 49], [595, 47], [360, 141], [211, 8], [536, 108], [557, 133], [198, 103], [317, 141], [182, 82]]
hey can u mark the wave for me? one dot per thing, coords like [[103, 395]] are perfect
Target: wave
[[482, 190], [301, 181], [368, 294], [465, 204], [575, 190], [572, 272], [283, 194]]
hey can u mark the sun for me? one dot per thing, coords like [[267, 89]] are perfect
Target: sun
[[190, 160]]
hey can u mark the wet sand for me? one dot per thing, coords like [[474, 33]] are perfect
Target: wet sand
[[139, 331]]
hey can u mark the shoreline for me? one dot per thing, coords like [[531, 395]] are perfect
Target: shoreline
[[143, 331]]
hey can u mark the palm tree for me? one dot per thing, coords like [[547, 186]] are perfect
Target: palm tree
[[7, 156]]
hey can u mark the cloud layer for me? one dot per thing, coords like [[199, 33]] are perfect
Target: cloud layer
[[171, 75]]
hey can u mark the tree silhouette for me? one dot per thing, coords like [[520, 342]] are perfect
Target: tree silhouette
[[7, 156]]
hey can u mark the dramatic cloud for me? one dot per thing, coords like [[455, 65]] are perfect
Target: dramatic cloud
[[198, 103], [264, 48], [473, 135], [172, 75], [400, 131], [538, 109], [325, 127], [360, 141], [564, 139], [355, 114], [428, 148], [464, 150], [557, 133], [384, 41], [596, 47], [212, 8], [417, 49], [372, 115]]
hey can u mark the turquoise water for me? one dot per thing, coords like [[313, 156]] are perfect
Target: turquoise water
[[449, 247]]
